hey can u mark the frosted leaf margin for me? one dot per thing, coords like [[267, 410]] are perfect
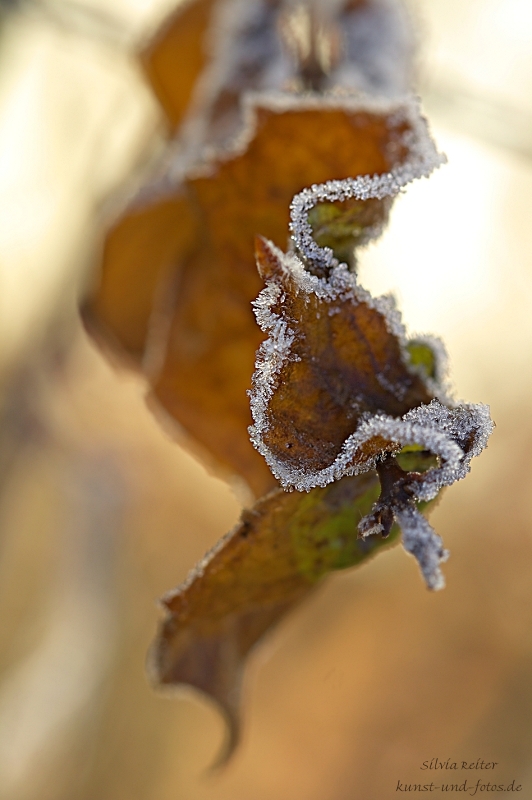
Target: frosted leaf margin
[[455, 433]]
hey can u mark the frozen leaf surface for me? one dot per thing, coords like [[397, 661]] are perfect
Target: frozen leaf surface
[[338, 389]]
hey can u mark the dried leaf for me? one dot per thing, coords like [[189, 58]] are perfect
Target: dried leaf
[[138, 266], [247, 583], [176, 55], [337, 358], [209, 352], [338, 389]]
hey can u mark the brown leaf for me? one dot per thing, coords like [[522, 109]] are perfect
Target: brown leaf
[[338, 390], [244, 586], [178, 271], [345, 361], [139, 263], [176, 55], [209, 354]]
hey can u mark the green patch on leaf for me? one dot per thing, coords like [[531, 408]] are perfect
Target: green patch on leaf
[[324, 529], [346, 225], [269, 563], [413, 458], [422, 357]]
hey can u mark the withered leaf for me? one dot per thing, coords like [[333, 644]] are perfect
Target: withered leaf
[[199, 239], [245, 43], [339, 390], [275, 557], [178, 270], [175, 57], [344, 361], [139, 265]]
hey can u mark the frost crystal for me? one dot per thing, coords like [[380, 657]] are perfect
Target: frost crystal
[[423, 160], [424, 544]]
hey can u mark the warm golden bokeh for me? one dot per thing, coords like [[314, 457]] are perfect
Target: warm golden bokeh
[[101, 514]]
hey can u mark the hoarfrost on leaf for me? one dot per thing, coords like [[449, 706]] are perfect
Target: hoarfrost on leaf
[[341, 398], [339, 390]]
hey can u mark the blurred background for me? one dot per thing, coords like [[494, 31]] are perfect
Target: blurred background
[[100, 513]]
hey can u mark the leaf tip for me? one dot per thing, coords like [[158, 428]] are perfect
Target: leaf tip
[[182, 659], [267, 260]]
